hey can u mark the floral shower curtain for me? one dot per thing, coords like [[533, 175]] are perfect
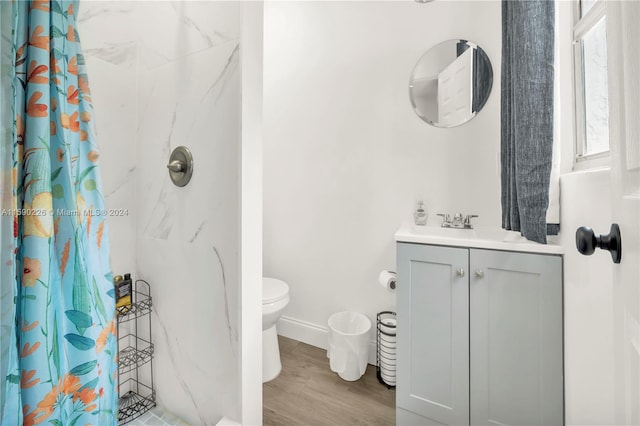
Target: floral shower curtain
[[62, 359]]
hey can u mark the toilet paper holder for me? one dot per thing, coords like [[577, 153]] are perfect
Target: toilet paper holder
[[388, 280]]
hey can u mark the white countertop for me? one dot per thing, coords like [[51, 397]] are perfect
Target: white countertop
[[494, 239]]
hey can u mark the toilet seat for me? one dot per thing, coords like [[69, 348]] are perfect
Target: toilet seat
[[273, 290]]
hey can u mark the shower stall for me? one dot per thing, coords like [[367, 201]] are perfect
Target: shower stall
[[162, 75]]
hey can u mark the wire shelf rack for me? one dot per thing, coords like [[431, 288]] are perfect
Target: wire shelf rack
[[135, 355], [140, 306], [135, 402]]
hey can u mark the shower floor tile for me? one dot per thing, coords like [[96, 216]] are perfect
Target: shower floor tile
[[157, 416]]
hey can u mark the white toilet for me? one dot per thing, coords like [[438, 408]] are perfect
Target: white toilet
[[275, 297]]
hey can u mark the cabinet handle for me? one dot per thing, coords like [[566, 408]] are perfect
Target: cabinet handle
[[460, 273], [479, 274]]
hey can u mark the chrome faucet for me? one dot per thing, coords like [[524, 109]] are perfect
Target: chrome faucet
[[467, 221], [446, 220], [459, 221]]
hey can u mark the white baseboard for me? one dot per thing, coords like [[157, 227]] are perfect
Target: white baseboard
[[312, 334]]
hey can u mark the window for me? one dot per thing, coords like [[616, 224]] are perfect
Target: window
[[591, 81]]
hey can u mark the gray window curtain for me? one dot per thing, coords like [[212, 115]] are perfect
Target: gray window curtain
[[527, 116]]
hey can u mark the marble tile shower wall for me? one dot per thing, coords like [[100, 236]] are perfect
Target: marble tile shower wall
[[166, 74], [109, 40]]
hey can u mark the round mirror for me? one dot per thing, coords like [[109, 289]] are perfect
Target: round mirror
[[451, 83]]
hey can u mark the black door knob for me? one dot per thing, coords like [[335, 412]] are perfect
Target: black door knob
[[587, 242]]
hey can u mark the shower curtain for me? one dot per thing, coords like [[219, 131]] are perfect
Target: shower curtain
[[62, 355]]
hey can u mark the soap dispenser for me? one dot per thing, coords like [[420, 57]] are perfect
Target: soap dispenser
[[420, 216]]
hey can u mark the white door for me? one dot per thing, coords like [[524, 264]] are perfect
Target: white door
[[455, 93], [623, 39]]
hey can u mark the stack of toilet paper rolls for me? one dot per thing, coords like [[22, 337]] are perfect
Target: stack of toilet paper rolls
[[387, 347]]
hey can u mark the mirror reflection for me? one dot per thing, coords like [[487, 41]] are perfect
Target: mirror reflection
[[451, 83]]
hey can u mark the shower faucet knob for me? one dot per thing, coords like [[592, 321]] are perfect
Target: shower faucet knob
[[176, 166], [180, 166]]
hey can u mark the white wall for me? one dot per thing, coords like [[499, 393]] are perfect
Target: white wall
[[345, 156], [167, 74], [251, 56]]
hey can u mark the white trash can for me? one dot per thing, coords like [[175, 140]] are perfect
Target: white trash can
[[348, 344]]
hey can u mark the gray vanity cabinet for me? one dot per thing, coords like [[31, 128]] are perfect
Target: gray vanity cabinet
[[479, 337], [432, 334], [515, 306]]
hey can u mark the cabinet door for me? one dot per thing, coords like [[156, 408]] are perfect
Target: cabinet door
[[516, 338], [433, 333]]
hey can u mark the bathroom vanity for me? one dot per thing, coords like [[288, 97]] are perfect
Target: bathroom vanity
[[479, 328]]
